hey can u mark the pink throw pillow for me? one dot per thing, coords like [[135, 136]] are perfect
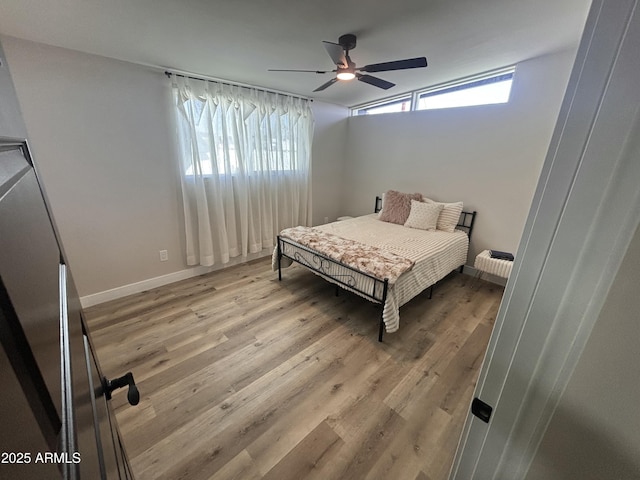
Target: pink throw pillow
[[397, 206]]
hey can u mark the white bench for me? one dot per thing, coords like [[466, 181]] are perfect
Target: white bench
[[485, 264]]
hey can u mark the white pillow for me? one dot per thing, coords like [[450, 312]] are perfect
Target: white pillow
[[449, 216], [423, 216]]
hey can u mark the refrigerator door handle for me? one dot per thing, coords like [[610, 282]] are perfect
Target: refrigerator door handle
[[67, 437]]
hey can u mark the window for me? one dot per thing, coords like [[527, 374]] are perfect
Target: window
[[245, 158], [480, 91], [389, 106], [485, 89], [226, 144]]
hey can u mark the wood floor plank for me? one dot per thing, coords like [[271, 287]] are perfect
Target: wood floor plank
[[245, 377], [405, 455], [438, 460], [368, 428], [241, 467], [309, 457], [420, 376], [328, 399], [217, 434]]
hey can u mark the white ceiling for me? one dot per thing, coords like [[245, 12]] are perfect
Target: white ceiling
[[238, 40]]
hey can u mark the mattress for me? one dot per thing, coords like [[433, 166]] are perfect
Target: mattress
[[435, 253]]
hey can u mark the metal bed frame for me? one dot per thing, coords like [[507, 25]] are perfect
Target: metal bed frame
[[347, 277]]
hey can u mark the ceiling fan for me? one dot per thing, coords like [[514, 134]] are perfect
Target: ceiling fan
[[347, 70]]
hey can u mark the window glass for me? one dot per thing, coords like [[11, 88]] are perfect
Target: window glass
[[270, 143], [397, 105], [486, 91]]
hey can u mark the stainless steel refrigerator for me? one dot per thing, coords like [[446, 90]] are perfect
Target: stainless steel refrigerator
[[56, 421]]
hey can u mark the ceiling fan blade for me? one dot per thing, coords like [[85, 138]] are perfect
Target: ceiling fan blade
[[325, 85], [336, 52], [418, 62], [307, 71], [375, 81]]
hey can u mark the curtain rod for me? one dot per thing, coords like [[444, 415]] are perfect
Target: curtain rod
[[168, 73]]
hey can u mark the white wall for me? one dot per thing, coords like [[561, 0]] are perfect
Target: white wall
[[102, 138], [329, 140], [595, 431], [99, 131], [487, 156]]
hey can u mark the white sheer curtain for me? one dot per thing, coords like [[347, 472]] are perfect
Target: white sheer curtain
[[245, 159]]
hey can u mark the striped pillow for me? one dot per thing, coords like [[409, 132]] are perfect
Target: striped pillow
[[449, 216]]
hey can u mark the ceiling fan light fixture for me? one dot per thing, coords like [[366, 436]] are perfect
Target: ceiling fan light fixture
[[346, 69], [346, 75]]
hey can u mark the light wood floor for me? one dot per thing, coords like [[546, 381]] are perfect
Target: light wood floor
[[243, 377]]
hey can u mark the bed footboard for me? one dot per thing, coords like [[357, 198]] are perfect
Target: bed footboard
[[344, 276]]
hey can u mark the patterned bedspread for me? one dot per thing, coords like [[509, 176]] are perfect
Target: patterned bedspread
[[366, 258]]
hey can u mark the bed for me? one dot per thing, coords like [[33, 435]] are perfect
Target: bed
[[341, 253]]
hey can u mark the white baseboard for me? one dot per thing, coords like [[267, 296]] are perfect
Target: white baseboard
[[137, 287]]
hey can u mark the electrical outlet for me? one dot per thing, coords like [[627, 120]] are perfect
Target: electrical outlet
[[164, 255], [326, 219]]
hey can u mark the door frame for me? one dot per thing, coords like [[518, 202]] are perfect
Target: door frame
[[585, 210]]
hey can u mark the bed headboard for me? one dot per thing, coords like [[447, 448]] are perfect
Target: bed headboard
[[467, 219], [378, 206]]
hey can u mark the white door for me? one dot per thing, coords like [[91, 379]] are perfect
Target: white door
[[584, 212]]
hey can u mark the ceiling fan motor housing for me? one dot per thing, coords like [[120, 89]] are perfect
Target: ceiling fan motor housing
[[347, 41]]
